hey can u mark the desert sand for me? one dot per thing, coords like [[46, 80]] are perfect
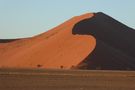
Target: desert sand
[[90, 41], [56, 48], [43, 79], [115, 43]]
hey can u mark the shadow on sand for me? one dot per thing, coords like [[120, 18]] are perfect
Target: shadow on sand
[[115, 43]]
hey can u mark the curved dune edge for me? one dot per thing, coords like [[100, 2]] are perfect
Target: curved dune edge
[[57, 48], [115, 46]]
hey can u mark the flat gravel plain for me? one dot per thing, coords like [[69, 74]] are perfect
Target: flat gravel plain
[[42, 79]]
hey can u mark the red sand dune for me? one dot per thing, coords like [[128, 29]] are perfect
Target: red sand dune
[[57, 48]]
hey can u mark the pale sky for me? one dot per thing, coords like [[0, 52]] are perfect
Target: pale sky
[[26, 18]]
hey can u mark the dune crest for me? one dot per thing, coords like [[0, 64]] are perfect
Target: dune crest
[[56, 48], [90, 41], [115, 46]]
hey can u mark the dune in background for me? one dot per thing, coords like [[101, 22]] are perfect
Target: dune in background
[[90, 41], [57, 48]]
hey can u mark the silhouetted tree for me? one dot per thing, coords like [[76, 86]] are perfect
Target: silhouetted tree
[[61, 67], [39, 65]]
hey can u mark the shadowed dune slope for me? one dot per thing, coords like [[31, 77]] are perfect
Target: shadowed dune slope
[[57, 48], [89, 41], [7, 40], [115, 43]]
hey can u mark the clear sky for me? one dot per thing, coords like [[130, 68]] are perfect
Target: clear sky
[[25, 18]]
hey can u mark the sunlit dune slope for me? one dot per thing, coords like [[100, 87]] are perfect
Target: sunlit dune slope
[[56, 48]]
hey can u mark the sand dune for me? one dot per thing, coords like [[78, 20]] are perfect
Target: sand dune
[[57, 48], [115, 43], [89, 41]]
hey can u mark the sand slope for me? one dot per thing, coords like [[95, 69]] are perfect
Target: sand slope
[[89, 41], [57, 48], [115, 43]]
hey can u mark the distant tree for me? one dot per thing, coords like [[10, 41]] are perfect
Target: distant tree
[[61, 67], [39, 65], [73, 67]]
